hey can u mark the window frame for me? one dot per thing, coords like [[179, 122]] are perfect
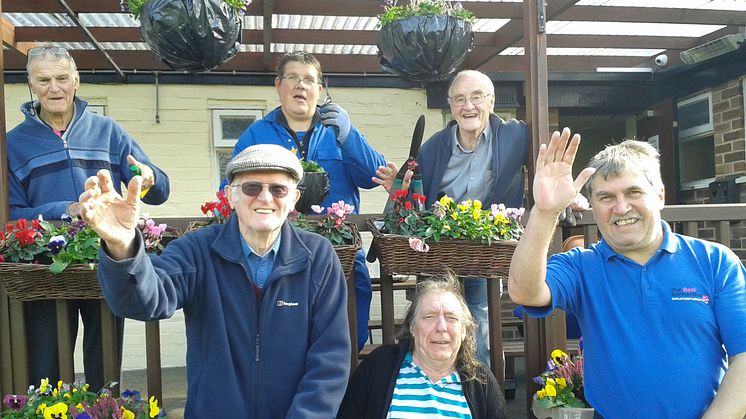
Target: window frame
[[218, 142], [690, 135]]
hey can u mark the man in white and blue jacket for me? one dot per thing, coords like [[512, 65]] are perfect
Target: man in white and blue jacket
[[324, 135], [265, 303], [50, 154]]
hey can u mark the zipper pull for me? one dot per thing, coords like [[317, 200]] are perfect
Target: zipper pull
[[258, 340]]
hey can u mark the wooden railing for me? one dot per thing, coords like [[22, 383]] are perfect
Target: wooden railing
[[541, 335]]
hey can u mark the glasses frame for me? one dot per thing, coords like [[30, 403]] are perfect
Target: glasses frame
[[453, 100], [299, 80], [51, 50], [280, 191]]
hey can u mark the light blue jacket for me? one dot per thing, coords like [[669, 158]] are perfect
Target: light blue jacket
[[47, 173], [351, 165]]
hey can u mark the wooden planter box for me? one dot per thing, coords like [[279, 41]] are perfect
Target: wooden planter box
[[463, 257]]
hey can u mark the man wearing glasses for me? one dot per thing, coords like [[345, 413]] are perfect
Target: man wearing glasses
[[50, 154], [325, 135], [477, 156], [265, 303]]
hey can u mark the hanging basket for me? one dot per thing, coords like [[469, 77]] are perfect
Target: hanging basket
[[193, 35], [314, 190], [346, 252], [424, 48], [463, 257], [28, 282]]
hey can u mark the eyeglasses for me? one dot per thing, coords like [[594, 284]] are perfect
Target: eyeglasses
[[57, 51], [253, 189], [460, 101], [295, 79]]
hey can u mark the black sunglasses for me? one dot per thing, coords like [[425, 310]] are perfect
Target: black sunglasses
[[253, 189]]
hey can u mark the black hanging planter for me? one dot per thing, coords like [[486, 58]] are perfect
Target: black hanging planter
[[314, 190], [193, 35], [424, 48]]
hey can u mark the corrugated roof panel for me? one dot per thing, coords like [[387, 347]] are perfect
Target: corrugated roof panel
[[109, 20], [606, 52], [489, 25], [324, 48], [38, 19], [672, 4], [629, 28]]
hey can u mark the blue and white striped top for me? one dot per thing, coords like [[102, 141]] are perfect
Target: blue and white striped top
[[415, 396]]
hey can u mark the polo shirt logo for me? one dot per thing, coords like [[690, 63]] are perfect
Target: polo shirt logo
[[688, 294], [281, 303]]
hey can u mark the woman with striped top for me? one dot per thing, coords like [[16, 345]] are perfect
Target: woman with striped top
[[433, 371]]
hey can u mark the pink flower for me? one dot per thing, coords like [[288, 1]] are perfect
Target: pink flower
[[317, 209]]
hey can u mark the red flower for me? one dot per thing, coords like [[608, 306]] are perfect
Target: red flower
[[22, 223], [400, 194], [408, 206], [9, 227], [36, 224], [2, 259]]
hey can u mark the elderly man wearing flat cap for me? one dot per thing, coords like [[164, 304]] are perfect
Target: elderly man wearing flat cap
[[265, 303]]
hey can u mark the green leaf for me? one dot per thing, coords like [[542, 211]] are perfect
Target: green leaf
[[58, 266]]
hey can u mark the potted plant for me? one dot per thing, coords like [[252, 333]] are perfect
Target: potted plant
[[42, 260], [413, 242], [314, 186], [424, 40], [76, 402], [196, 35], [561, 395], [331, 224]]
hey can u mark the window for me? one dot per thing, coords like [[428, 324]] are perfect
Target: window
[[696, 142], [227, 126]]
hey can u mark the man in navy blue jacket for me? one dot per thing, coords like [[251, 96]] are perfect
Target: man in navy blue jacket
[[50, 154], [265, 303]]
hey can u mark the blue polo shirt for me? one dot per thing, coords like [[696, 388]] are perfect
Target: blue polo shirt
[[260, 266], [655, 336]]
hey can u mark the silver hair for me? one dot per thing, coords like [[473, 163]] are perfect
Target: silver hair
[[49, 53], [629, 156], [483, 79]]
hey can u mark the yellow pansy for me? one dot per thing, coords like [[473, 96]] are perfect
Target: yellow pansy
[[561, 382], [558, 355], [454, 216], [56, 411], [44, 386], [551, 390], [541, 393], [154, 409], [59, 385], [54, 393], [446, 200], [40, 408], [79, 406], [127, 414], [477, 205]]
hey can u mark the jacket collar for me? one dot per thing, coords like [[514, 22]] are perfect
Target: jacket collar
[[292, 256], [79, 104]]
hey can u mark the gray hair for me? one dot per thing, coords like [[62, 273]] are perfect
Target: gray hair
[[483, 79], [49, 53], [629, 156], [466, 359]]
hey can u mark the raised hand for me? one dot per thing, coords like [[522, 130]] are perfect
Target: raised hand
[[554, 189], [386, 175], [113, 217], [335, 116]]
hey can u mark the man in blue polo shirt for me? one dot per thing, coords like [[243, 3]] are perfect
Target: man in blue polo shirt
[[663, 315]]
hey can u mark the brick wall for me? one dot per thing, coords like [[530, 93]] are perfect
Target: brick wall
[[730, 155]]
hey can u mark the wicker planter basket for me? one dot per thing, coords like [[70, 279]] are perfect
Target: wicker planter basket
[[28, 282], [463, 257], [346, 253]]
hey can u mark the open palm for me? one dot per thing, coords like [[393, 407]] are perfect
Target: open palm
[[554, 188], [113, 217]]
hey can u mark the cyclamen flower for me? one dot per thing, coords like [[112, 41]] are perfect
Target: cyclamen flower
[[56, 244], [318, 209]]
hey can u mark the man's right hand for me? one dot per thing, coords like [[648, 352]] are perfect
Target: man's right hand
[[113, 217], [554, 189]]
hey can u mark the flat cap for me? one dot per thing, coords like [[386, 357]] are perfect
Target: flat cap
[[264, 157]]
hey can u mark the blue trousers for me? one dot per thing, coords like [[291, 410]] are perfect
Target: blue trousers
[[475, 294], [363, 295]]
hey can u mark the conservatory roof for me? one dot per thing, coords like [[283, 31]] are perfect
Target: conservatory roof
[[582, 36]]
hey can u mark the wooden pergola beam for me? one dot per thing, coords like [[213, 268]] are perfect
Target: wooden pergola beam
[[267, 10]]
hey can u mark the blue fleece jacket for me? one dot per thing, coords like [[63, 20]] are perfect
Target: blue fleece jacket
[[285, 353], [350, 165], [509, 151], [47, 173]]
